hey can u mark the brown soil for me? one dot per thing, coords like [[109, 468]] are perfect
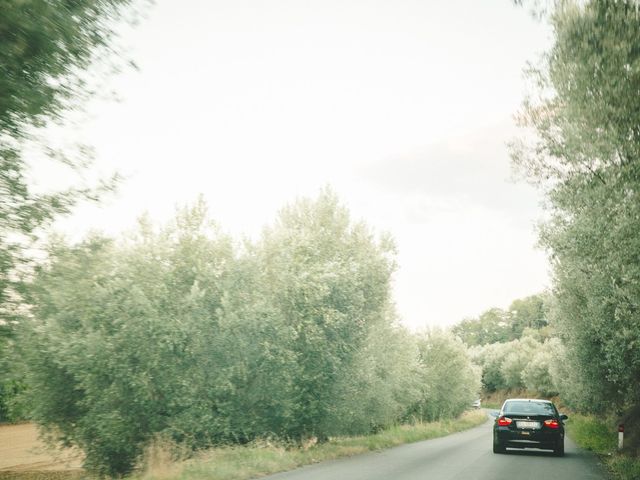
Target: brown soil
[[21, 451]]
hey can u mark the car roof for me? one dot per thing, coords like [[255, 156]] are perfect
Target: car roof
[[527, 400]]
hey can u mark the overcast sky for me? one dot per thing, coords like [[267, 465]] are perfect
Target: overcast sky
[[403, 107]]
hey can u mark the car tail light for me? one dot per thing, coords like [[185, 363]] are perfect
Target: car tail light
[[552, 423], [504, 421]]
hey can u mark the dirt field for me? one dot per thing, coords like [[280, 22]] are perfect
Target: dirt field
[[22, 453]]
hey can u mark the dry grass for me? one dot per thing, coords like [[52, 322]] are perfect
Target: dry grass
[[266, 457], [42, 475], [162, 459]]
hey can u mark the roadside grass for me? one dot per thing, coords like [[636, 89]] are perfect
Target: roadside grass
[[600, 436], [624, 468], [265, 457], [594, 434]]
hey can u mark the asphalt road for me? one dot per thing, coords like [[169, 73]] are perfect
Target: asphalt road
[[461, 456]]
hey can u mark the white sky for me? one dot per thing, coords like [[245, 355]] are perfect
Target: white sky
[[402, 106]]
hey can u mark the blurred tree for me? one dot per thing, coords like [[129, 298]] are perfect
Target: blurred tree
[[45, 49]]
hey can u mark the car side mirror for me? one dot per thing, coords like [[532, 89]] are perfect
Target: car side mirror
[[564, 417], [494, 413]]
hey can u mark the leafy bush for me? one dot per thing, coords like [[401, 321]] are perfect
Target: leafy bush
[[178, 334], [448, 380], [381, 382]]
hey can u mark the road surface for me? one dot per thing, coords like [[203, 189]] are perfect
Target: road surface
[[461, 456]]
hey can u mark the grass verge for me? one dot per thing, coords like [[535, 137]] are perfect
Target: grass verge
[[601, 437], [594, 434], [263, 458]]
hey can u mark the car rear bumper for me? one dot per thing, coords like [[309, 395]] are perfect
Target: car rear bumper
[[528, 439]]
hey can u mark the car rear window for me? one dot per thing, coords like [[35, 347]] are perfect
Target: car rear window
[[529, 408]]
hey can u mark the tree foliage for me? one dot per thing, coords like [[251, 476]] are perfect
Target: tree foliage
[[183, 333], [330, 282], [46, 48], [449, 381], [382, 383], [587, 158], [544, 371], [490, 327], [116, 333], [537, 365], [497, 325]]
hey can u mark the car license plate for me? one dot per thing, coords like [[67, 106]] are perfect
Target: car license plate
[[529, 425]]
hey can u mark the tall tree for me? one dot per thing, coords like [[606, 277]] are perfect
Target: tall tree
[[126, 341], [46, 48], [528, 312], [330, 279], [448, 380], [587, 157]]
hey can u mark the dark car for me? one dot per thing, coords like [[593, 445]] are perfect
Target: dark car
[[529, 423]]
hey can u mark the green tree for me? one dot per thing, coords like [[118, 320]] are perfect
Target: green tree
[[175, 332], [526, 313], [379, 386], [516, 357], [46, 48], [587, 158], [448, 380], [541, 373], [329, 278], [490, 358], [123, 340], [490, 327], [524, 362]]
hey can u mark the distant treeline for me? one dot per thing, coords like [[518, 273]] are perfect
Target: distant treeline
[[182, 332], [517, 348]]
